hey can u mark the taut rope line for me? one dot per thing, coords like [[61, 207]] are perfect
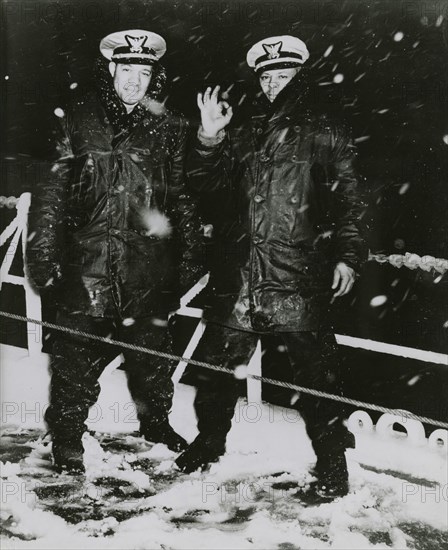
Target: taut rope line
[[170, 356]]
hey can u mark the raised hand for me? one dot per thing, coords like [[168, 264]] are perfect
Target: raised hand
[[215, 115]]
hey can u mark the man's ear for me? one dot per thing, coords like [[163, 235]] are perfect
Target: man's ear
[[112, 68]]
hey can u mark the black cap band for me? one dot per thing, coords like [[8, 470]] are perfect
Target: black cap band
[[134, 60]]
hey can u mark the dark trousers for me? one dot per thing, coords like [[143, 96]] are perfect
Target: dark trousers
[[77, 363], [315, 362]]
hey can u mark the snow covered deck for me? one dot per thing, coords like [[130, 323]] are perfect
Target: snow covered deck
[[133, 497]]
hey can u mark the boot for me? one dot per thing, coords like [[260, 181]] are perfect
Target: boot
[[204, 450], [68, 456], [163, 433], [331, 465], [214, 406], [332, 476]]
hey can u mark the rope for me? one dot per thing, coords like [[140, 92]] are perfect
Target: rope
[[218, 368], [9, 202], [412, 261]]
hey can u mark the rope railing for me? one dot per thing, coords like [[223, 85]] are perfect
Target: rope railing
[[409, 260], [9, 202], [219, 368], [412, 261]]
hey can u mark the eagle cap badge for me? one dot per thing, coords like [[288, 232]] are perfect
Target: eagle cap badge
[[273, 50], [136, 43]]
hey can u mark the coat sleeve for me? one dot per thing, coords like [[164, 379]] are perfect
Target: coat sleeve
[[209, 163], [47, 214], [186, 216], [348, 204]]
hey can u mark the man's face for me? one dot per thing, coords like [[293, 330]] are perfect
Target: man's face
[[272, 82], [130, 81]]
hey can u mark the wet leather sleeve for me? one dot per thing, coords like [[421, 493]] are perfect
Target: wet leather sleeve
[[348, 203], [209, 163], [47, 214], [186, 216]]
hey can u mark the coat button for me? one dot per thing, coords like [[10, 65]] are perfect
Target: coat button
[[264, 158], [259, 130], [258, 198], [257, 240], [294, 200]]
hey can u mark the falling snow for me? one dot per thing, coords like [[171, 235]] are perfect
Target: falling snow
[[338, 78], [328, 51], [378, 301], [240, 372]]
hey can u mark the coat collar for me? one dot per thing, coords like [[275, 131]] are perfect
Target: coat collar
[[293, 97]]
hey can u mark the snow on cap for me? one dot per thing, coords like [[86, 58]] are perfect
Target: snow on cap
[[134, 46], [277, 52]]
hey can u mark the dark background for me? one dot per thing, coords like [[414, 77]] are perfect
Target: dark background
[[393, 94]]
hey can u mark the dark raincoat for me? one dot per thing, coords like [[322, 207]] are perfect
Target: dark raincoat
[[282, 195], [88, 222]]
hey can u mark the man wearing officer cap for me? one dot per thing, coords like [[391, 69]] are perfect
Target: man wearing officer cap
[[113, 238], [280, 189]]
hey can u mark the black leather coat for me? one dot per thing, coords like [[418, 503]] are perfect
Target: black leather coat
[[88, 230], [282, 195]]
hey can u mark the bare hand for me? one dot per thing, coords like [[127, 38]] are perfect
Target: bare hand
[[215, 115], [343, 279]]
